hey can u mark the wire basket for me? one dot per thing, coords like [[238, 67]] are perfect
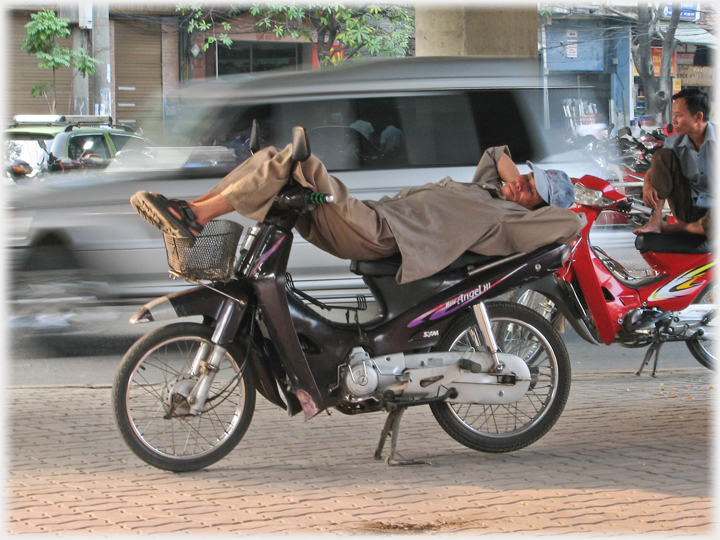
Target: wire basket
[[210, 256]]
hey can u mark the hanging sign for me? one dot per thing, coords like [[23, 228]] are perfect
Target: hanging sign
[[688, 11], [571, 48]]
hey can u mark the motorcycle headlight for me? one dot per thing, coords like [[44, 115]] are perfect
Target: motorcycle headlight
[[591, 197]]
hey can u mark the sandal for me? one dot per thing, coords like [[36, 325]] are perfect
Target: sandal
[[154, 208]]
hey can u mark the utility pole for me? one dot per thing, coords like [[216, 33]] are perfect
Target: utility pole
[[80, 84], [102, 80], [80, 16]]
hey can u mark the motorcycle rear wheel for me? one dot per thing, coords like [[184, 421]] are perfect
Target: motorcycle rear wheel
[[155, 365], [506, 428], [702, 349]]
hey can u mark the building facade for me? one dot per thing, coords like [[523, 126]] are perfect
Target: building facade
[[151, 55], [591, 46]]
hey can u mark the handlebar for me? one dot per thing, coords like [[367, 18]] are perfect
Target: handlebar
[[301, 198], [643, 209], [631, 204], [320, 198]]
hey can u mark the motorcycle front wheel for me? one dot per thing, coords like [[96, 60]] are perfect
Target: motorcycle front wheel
[[523, 332], [703, 349], [149, 406]]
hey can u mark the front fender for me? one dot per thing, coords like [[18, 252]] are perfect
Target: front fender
[[190, 302]]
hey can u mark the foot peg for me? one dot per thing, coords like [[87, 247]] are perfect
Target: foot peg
[[469, 365]]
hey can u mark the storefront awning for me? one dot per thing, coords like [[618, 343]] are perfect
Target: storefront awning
[[692, 34]]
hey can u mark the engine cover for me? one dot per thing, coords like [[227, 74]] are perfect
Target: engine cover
[[428, 375]]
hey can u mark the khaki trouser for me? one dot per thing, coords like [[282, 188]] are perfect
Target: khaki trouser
[[347, 228], [666, 176]]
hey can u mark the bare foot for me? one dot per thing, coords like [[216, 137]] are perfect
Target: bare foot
[[649, 227]]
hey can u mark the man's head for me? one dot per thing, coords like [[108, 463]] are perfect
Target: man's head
[[690, 110], [552, 186]]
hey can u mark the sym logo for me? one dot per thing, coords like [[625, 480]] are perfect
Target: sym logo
[[431, 333]]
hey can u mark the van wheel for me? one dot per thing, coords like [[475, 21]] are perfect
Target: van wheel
[[50, 290]]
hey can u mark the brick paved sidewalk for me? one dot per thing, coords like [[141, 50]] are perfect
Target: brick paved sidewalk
[[629, 455]]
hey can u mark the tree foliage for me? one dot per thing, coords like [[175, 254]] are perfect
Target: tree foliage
[[207, 18], [375, 28], [42, 32], [340, 32]]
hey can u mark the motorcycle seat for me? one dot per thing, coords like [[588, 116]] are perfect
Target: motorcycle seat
[[389, 265], [673, 243]]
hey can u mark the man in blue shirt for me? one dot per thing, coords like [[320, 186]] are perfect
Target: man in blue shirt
[[683, 170]]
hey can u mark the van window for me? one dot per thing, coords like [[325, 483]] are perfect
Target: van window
[[431, 129], [445, 129]]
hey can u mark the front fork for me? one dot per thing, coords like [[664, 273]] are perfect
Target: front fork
[[210, 355]]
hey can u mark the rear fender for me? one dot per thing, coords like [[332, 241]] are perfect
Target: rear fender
[[549, 287]]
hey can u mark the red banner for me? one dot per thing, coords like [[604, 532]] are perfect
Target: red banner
[[657, 60]]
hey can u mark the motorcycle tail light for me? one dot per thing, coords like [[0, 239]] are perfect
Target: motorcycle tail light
[[591, 197]]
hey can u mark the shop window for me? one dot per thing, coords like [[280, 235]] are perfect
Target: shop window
[[247, 57]]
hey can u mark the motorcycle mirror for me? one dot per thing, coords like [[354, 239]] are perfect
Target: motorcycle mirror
[[254, 138], [88, 145], [20, 168], [301, 144], [669, 128]]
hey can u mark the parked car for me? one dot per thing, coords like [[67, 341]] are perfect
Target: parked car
[[379, 126], [60, 143]]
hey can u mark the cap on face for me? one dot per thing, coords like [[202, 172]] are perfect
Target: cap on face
[[555, 187]]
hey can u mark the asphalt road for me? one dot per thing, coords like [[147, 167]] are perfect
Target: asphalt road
[[91, 359]]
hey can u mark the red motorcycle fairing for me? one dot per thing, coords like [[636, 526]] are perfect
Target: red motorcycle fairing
[[680, 276]]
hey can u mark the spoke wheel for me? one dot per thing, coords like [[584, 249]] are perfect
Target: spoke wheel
[[703, 349], [152, 413], [504, 428]]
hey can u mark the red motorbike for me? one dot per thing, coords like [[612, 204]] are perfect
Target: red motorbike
[[606, 303]]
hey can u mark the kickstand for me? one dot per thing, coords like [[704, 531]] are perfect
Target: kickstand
[[393, 424], [654, 349]]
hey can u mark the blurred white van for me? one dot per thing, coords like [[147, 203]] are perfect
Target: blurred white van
[[379, 126]]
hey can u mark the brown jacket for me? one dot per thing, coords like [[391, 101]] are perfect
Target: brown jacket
[[434, 224]]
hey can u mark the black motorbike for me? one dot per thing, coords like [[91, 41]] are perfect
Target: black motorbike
[[496, 376]]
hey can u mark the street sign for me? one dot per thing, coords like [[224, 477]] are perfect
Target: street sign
[[688, 11]]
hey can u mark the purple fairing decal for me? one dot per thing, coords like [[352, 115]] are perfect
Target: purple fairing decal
[[265, 256], [458, 302]]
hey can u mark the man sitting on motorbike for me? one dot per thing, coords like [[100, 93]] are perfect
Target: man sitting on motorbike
[[499, 213], [682, 171]]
